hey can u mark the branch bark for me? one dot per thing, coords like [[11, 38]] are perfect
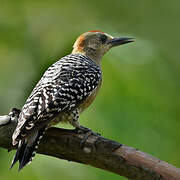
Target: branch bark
[[97, 151]]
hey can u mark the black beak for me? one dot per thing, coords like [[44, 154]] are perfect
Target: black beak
[[119, 41]]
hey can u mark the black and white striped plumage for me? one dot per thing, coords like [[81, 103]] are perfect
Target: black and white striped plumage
[[58, 95]]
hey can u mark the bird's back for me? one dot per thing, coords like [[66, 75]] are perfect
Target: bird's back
[[64, 87]]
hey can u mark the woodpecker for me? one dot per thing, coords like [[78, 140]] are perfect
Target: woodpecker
[[65, 90]]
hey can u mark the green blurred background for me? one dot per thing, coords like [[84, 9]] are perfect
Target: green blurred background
[[138, 104]]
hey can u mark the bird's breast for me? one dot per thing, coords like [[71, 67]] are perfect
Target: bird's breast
[[89, 99]]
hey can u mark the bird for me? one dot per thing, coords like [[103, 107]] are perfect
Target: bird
[[66, 89]]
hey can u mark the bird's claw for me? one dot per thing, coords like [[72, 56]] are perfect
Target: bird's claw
[[84, 130], [88, 132]]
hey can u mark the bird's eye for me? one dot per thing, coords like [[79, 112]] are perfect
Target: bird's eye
[[103, 38]]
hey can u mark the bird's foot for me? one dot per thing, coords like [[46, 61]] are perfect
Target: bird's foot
[[84, 130], [88, 132]]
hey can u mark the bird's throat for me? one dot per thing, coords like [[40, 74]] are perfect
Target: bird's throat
[[93, 55]]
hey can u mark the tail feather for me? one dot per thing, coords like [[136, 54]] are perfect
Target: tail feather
[[27, 149], [26, 158], [19, 152]]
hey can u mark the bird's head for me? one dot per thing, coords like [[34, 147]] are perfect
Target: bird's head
[[96, 43]]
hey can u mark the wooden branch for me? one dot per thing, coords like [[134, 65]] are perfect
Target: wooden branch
[[96, 151]]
